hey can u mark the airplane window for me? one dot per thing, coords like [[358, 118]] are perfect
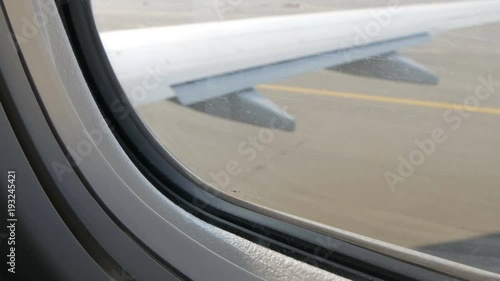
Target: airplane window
[[375, 117]]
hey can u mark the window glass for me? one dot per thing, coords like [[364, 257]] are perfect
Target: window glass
[[399, 144]]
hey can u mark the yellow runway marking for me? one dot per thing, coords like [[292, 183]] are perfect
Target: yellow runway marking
[[412, 102]]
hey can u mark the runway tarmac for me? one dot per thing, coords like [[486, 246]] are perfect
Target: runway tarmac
[[342, 165]]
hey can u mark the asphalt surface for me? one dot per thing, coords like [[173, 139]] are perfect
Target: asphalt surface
[[352, 133]]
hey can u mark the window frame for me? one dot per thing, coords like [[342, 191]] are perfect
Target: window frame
[[350, 256], [265, 227]]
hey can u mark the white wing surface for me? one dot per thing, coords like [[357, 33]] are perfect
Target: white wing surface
[[213, 67]]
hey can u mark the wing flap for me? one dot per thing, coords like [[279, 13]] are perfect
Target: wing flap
[[248, 107], [392, 66], [204, 89]]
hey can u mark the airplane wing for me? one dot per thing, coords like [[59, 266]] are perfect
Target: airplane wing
[[213, 67]]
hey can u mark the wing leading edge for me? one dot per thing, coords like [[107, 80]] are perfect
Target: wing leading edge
[[213, 67]]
